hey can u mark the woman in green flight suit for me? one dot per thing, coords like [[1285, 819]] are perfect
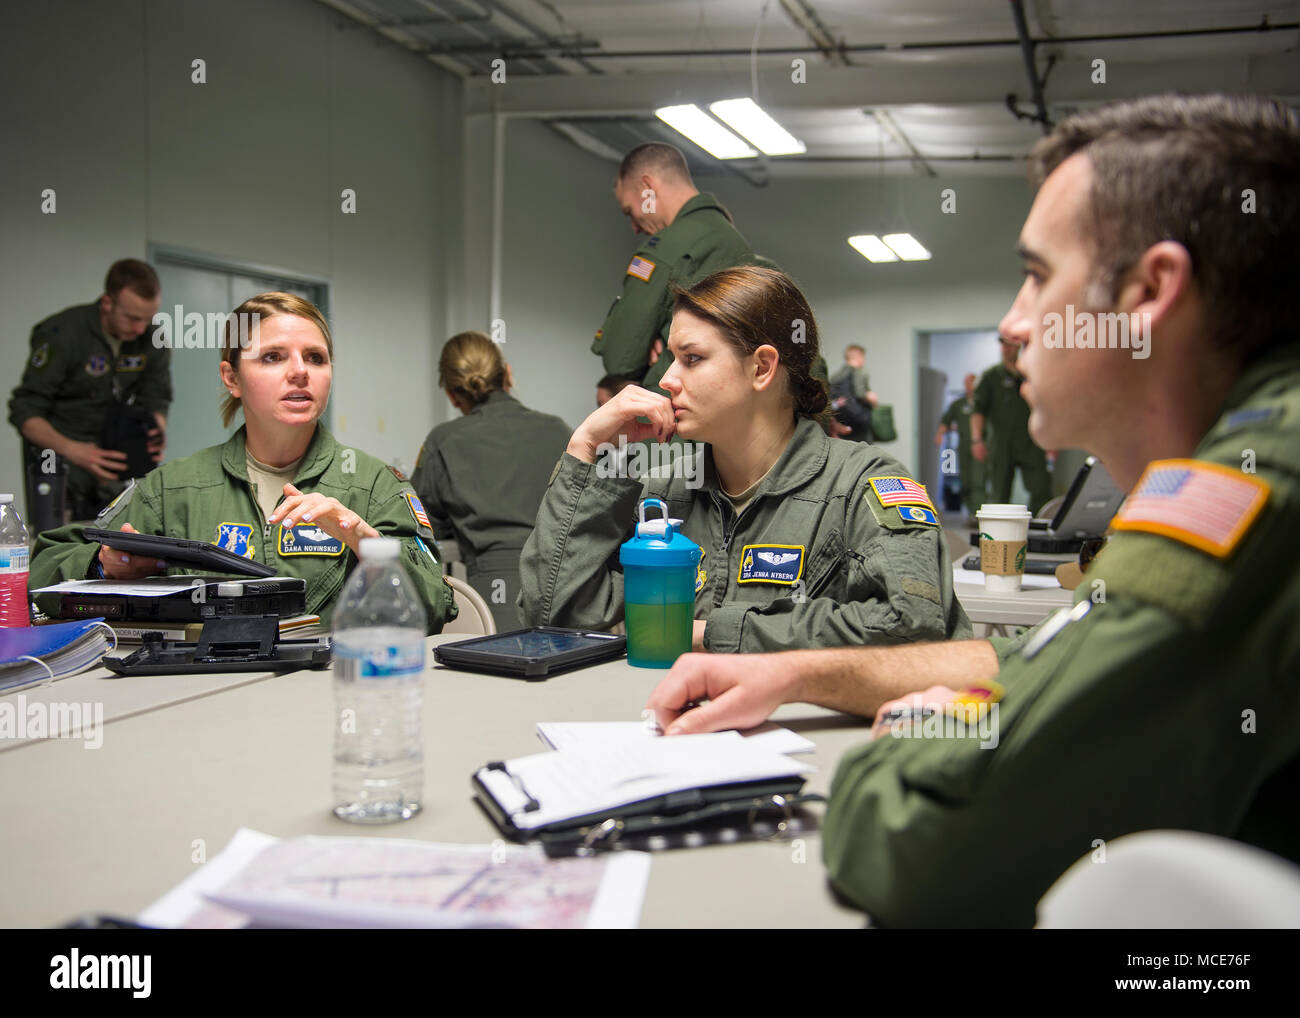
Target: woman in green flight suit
[[808, 541], [482, 475], [281, 490]]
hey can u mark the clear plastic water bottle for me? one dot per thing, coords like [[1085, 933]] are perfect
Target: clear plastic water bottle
[[379, 663], [14, 557]]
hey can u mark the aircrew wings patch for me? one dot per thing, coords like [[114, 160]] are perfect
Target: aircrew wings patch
[[891, 491], [1208, 506], [642, 268]]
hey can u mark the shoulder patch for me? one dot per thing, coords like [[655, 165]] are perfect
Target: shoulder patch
[[1208, 506], [918, 514], [642, 268], [398, 474], [417, 509], [41, 356], [892, 491], [235, 538]]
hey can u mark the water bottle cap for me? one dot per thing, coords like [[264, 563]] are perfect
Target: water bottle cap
[[380, 549], [658, 542]]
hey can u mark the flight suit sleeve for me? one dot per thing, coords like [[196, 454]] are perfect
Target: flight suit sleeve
[[65, 554], [569, 573], [949, 417], [1141, 715], [154, 392], [43, 377], [429, 481], [982, 401], [636, 318], [394, 512], [906, 569]]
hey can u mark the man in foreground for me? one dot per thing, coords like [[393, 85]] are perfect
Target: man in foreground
[[1165, 698]]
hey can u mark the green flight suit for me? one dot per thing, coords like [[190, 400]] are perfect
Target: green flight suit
[[814, 560], [208, 497], [481, 478], [1171, 704], [971, 470], [71, 380], [1006, 414], [699, 241]]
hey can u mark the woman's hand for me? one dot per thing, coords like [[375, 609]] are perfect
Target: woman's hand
[[118, 565], [331, 515], [619, 417]]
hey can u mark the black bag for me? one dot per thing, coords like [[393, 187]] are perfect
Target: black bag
[[126, 429]]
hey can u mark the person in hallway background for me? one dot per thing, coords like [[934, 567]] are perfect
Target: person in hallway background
[[1001, 408], [851, 397], [481, 476], [970, 470]]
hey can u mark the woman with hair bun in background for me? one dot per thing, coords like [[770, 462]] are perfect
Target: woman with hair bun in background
[[808, 541], [481, 476]]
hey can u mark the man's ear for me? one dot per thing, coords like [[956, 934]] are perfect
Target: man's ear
[[1158, 283], [766, 360]]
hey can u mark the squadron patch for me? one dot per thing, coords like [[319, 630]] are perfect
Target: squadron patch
[[417, 509], [307, 539], [97, 365], [771, 563], [41, 356], [917, 514], [235, 538], [701, 577], [1208, 506], [642, 268], [892, 491]]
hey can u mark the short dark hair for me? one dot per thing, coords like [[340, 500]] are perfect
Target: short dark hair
[[855, 346], [132, 272], [753, 307], [1185, 168], [655, 157]]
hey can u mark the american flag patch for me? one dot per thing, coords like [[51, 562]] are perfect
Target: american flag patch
[[642, 268], [417, 508], [1205, 505], [900, 491]]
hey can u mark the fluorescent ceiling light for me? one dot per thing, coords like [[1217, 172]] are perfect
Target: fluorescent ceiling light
[[872, 248], [907, 247], [748, 118], [706, 132]]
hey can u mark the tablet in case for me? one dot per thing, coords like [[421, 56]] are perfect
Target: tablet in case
[[173, 550], [532, 654]]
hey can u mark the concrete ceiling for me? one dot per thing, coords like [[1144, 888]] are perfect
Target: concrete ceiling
[[899, 86]]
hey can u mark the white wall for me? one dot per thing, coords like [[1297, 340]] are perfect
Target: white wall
[[96, 101]]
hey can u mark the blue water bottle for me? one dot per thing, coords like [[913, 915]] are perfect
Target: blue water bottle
[[659, 567]]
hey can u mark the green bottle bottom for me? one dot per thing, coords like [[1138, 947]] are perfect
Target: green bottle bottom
[[657, 634]]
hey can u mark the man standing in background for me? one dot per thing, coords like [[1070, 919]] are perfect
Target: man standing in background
[[851, 395], [688, 236], [971, 471], [998, 404], [90, 365]]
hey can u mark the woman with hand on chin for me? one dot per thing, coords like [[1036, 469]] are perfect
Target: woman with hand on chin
[[281, 490], [807, 541]]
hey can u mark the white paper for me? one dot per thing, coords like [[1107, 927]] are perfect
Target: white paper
[[148, 586], [594, 734], [577, 782]]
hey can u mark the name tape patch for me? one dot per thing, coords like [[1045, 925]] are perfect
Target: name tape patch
[[771, 563], [1208, 506], [307, 539]]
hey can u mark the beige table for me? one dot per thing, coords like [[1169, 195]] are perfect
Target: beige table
[[111, 829]]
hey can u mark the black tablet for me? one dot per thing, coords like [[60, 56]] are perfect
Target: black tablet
[[531, 653], [174, 549]]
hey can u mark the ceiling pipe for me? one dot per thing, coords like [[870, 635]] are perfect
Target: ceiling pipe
[[1027, 46]]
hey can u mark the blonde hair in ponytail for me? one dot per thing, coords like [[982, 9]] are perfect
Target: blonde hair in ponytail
[[471, 367]]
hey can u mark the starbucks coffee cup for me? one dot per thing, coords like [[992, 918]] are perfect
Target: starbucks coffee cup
[[1004, 536]]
